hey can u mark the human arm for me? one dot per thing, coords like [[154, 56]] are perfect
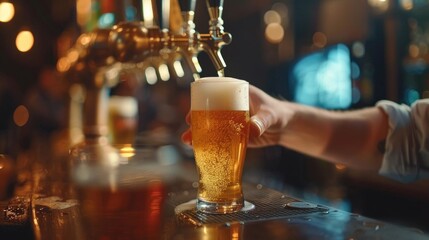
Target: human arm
[[351, 138]]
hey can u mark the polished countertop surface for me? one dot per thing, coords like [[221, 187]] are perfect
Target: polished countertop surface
[[154, 200], [151, 212]]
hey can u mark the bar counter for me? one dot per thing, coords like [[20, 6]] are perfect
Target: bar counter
[[151, 212]]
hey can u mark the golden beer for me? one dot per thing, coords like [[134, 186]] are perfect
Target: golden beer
[[120, 196], [220, 129], [132, 212], [123, 111]]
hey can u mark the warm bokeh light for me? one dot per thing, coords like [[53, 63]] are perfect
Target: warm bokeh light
[[127, 151], [7, 11], [407, 4], [178, 68], [281, 8], [319, 39], [164, 74], [73, 56], [24, 41], [272, 16], [340, 167], [83, 11], [380, 5], [63, 64], [21, 116], [84, 39], [274, 33], [150, 74], [413, 50], [148, 17]]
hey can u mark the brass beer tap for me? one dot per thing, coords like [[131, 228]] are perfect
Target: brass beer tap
[[103, 53], [213, 42]]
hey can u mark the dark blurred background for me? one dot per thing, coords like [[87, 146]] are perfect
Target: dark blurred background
[[333, 54]]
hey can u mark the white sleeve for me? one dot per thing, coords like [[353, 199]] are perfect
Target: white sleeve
[[406, 156]]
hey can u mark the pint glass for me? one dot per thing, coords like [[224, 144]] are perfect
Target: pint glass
[[220, 130]]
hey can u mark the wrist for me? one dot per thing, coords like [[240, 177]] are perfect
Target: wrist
[[286, 115]]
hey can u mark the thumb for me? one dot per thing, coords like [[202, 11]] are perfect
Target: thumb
[[260, 122], [257, 128]]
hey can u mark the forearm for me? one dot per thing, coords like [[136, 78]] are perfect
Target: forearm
[[351, 138]]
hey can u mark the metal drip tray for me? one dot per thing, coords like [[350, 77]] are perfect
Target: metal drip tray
[[269, 204]]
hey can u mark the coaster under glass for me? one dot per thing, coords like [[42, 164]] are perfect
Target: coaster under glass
[[192, 205]]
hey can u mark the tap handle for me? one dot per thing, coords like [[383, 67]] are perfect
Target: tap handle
[[187, 5], [215, 8], [215, 3]]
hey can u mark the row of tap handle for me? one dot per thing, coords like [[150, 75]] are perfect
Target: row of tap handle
[[103, 52], [136, 41]]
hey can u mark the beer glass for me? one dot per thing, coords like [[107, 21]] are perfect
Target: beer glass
[[220, 130], [123, 111], [121, 191]]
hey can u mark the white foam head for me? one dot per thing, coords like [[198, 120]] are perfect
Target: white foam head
[[220, 93], [123, 106]]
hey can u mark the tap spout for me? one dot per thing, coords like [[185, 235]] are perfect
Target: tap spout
[[213, 42], [212, 45]]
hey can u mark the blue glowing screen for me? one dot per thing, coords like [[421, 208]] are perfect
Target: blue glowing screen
[[323, 79]]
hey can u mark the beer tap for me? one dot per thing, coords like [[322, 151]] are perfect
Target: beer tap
[[104, 52], [188, 28], [213, 42]]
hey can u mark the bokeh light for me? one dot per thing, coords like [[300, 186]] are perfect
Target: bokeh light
[[164, 74], [414, 50], [83, 11], [355, 70], [319, 39], [63, 64], [7, 11], [151, 76], [272, 16], [340, 167], [411, 95], [274, 33], [379, 5], [358, 49], [407, 4], [21, 116], [127, 152], [106, 20], [178, 68], [282, 9], [24, 41], [322, 78]]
